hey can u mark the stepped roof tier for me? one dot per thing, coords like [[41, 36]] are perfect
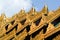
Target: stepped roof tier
[[32, 25]]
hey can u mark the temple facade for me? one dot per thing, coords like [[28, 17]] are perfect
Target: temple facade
[[32, 25]]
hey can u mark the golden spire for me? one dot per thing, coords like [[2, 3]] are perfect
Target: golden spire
[[32, 11], [22, 11], [3, 15], [45, 9]]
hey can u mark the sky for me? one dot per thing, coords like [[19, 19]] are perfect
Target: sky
[[11, 7]]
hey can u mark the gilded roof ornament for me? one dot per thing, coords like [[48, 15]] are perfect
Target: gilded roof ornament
[[22, 11], [45, 9]]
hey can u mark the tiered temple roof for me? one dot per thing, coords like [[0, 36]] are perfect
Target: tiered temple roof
[[32, 25]]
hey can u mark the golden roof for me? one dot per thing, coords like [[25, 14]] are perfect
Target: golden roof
[[34, 25]]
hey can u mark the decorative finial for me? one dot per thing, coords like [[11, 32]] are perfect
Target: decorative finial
[[22, 10], [33, 9], [45, 9], [3, 15], [45, 6]]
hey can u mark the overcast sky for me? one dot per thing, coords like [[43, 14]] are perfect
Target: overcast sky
[[11, 7]]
